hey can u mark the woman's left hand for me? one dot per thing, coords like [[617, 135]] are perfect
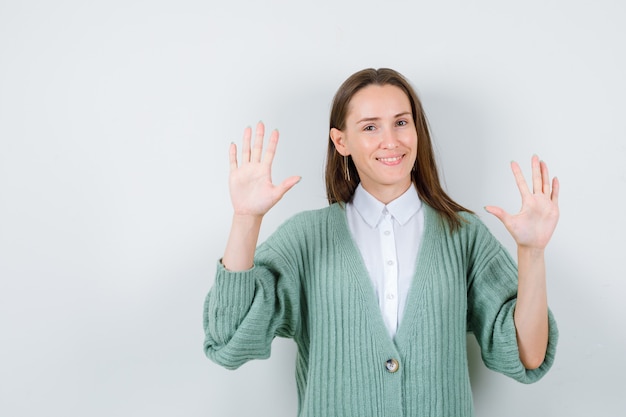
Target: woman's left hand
[[533, 226]]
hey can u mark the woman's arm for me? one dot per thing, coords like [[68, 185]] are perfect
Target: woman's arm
[[532, 229], [531, 310], [252, 195], [247, 307]]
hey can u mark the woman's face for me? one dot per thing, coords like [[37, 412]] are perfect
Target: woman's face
[[380, 136]]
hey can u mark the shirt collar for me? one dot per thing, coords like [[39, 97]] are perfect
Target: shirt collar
[[402, 208]]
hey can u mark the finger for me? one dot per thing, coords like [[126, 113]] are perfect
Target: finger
[[502, 215], [270, 151], [232, 156], [555, 190], [536, 175], [258, 143], [545, 178], [288, 184], [245, 148], [519, 179]]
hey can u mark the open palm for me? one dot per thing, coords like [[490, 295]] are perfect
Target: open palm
[[533, 226], [250, 182]]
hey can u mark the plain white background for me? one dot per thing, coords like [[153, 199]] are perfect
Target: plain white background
[[115, 122]]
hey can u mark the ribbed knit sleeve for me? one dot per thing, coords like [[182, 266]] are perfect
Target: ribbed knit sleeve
[[492, 292], [244, 311]]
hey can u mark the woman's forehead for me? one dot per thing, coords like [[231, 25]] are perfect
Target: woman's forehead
[[378, 101]]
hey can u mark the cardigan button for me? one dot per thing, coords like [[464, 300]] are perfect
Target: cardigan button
[[392, 366]]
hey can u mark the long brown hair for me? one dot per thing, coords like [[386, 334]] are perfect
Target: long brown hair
[[340, 187]]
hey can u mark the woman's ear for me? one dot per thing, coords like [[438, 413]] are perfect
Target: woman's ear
[[337, 137]]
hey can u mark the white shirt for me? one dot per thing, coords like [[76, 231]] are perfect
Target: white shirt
[[388, 237]]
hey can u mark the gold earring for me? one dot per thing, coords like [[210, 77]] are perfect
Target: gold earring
[[346, 167]]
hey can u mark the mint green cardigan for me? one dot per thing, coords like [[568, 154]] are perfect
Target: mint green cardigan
[[309, 283]]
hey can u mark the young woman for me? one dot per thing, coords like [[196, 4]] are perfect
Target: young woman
[[379, 289]]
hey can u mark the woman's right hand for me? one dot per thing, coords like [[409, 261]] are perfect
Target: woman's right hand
[[252, 192]]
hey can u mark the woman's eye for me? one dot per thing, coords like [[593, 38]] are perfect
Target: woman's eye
[[368, 128], [402, 123]]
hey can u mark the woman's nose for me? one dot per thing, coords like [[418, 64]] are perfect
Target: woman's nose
[[389, 140]]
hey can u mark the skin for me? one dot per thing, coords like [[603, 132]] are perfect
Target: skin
[[252, 195], [381, 138], [382, 141], [532, 229]]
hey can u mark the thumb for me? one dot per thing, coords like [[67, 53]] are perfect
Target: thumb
[[288, 184], [498, 212]]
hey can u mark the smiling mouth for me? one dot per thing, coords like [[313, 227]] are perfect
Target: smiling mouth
[[391, 160]]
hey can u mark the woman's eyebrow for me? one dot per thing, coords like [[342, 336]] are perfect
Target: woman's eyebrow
[[368, 119], [373, 119]]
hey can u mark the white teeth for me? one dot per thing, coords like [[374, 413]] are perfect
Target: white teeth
[[397, 158]]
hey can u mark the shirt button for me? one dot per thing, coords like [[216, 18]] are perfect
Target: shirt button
[[387, 232], [389, 263], [390, 296], [392, 366]]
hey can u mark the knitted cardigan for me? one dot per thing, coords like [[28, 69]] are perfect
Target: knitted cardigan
[[309, 283]]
